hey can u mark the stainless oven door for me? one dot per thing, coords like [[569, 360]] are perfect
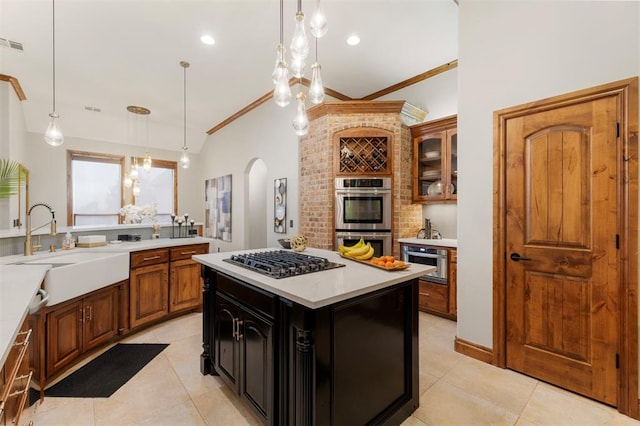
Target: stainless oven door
[[380, 241], [363, 210], [431, 257]]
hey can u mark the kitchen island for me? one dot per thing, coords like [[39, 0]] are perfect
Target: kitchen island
[[338, 346]]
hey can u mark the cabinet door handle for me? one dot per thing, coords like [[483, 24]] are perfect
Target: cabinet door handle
[[239, 335], [233, 327], [81, 315], [90, 313], [150, 258]]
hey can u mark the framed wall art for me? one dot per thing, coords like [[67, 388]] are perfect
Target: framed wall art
[[280, 205], [217, 196]]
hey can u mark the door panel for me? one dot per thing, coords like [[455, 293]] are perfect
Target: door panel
[[561, 204]]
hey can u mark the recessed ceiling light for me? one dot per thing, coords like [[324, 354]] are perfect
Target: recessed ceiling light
[[353, 40], [207, 39]]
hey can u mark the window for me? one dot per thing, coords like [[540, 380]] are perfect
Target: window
[[94, 188], [159, 187]]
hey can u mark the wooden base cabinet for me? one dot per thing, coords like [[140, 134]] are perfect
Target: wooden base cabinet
[[244, 342], [148, 286], [185, 282], [15, 379], [441, 299], [80, 325]]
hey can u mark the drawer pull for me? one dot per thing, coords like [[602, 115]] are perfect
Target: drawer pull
[[150, 258], [189, 252]]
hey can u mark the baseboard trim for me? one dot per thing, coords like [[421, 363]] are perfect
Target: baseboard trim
[[473, 350]]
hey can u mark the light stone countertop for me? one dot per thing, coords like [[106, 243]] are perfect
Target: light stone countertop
[[18, 286], [445, 242], [19, 283], [318, 289]]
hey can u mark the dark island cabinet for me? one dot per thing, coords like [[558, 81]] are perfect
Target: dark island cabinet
[[244, 353], [353, 362]]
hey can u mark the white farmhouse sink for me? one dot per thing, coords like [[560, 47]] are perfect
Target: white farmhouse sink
[[75, 274]]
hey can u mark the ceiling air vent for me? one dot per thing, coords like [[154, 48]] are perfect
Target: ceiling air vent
[[11, 44], [94, 109]]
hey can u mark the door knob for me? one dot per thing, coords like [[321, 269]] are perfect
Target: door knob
[[516, 257]]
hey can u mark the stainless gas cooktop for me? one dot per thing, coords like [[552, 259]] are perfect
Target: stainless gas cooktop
[[281, 263]]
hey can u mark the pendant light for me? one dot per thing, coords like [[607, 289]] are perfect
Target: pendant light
[[316, 90], [280, 75], [53, 135], [301, 122], [138, 111], [318, 23], [184, 158], [299, 44]]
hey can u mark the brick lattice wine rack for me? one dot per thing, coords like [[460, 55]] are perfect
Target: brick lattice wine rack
[[364, 155]]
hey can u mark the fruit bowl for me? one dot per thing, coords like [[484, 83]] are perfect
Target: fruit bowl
[[285, 243]]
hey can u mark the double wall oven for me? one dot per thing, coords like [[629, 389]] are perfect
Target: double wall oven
[[363, 210]]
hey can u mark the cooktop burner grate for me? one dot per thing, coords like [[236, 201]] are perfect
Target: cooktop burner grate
[[282, 264]]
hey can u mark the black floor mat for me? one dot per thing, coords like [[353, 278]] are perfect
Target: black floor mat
[[106, 374]]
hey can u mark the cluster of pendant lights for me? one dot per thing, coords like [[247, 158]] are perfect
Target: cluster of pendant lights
[[299, 48], [53, 135], [131, 178]]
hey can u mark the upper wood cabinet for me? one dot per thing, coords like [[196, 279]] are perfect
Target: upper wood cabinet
[[363, 151], [435, 160]]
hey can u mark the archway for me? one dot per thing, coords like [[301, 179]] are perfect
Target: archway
[[256, 204]]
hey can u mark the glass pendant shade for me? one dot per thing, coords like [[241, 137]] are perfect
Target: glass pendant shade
[[136, 188], [53, 134], [184, 158], [277, 69], [316, 91], [134, 170], [301, 122], [318, 23], [282, 91], [299, 44], [146, 163], [297, 67], [128, 181]]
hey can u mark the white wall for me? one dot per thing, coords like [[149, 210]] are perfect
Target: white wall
[[511, 53], [48, 174], [264, 133]]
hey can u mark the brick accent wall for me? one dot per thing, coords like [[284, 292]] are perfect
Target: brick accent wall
[[317, 170]]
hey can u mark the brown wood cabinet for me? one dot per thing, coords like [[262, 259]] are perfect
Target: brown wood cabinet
[[435, 161], [79, 325], [185, 283], [148, 286], [440, 299], [15, 377]]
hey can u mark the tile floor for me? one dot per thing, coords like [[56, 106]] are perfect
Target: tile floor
[[454, 390]]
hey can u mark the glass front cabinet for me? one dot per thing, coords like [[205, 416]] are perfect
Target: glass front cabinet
[[435, 160]]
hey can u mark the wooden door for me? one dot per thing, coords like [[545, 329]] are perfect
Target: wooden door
[[101, 318], [64, 331], [562, 194], [226, 347], [257, 363], [149, 293], [185, 285]]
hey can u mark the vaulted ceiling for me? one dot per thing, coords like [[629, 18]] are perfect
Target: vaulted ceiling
[[115, 53]]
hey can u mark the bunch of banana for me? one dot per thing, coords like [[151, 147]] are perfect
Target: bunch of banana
[[360, 250]]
